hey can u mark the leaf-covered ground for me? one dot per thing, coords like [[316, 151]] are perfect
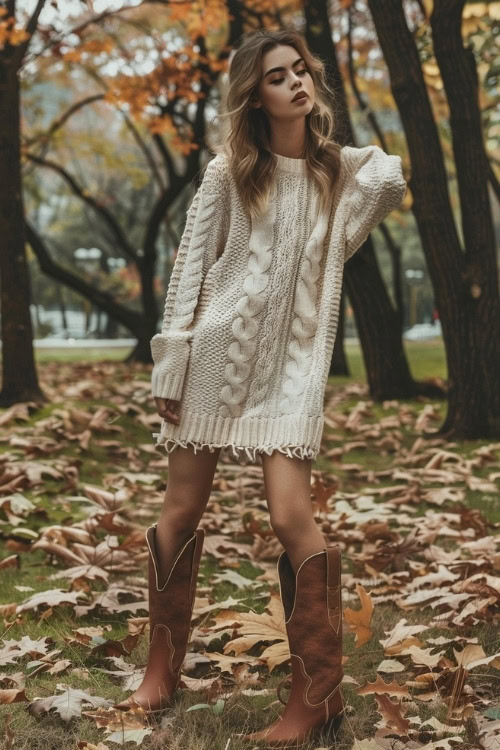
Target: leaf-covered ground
[[417, 519]]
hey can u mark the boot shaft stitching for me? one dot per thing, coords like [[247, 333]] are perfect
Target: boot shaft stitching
[[306, 689], [169, 642], [153, 557]]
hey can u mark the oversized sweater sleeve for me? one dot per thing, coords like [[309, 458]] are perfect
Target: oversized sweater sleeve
[[374, 187], [201, 244]]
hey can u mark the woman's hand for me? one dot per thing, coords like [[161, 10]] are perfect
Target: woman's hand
[[168, 409]]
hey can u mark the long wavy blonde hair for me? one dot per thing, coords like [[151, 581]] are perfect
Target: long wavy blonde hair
[[244, 135]]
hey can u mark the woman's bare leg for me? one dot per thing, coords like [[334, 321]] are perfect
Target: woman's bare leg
[[288, 491], [189, 484]]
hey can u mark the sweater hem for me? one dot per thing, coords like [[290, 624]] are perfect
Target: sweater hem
[[240, 452], [292, 435]]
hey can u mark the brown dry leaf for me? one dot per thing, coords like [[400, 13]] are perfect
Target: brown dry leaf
[[67, 704], [442, 495], [201, 608], [17, 411], [242, 675], [226, 662], [380, 687], [113, 647], [12, 696], [8, 609], [51, 598], [392, 714], [84, 635], [198, 684], [389, 666], [321, 494], [255, 628], [275, 655], [473, 656], [13, 649], [445, 559], [360, 620], [401, 632], [218, 545], [423, 656], [474, 608], [13, 561], [374, 743]]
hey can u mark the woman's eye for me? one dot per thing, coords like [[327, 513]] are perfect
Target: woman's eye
[[278, 80]]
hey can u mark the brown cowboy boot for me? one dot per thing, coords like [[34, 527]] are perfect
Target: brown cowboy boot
[[312, 602], [170, 612]]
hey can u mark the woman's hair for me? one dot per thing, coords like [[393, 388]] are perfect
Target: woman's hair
[[245, 131]]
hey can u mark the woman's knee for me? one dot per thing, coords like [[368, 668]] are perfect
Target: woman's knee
[[183, 510], [181, 520], [287, 525]]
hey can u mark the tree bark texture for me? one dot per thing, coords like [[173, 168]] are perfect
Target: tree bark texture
[[19, 376], [465, 281], [379, 331]]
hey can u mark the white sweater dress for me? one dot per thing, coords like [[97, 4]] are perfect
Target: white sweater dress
[[252, 306]]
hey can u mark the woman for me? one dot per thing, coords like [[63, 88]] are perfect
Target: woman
[[242, 360]]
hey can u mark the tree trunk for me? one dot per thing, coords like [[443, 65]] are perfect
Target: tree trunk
[[111, 328], [376, 320], [397, 273], [475, 401], [465, 282], [19, 376], [141, 352], [379, 331]]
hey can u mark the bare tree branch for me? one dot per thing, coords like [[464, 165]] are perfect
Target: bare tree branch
[[60, 121], [135, 132], [95, 20], [103, 300], [21, 49], [145, 150], [82, 193], [33, 21], [357, 93]]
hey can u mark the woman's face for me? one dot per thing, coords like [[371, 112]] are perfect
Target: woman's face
[[277, 88]]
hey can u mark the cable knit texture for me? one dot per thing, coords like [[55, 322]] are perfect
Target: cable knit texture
[[252, 306]]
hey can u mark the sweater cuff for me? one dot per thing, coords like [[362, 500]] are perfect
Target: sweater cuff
[[170, 352], [167, 384]]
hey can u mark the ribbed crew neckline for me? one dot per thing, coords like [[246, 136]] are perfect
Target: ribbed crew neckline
[[296, 166]]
